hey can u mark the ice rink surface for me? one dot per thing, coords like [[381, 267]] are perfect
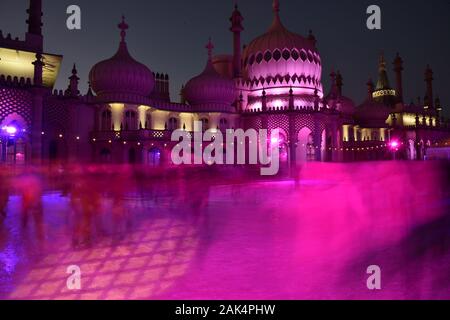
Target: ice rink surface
[[226, 234]]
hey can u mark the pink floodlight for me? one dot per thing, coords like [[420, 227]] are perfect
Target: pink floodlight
[[394, 145]]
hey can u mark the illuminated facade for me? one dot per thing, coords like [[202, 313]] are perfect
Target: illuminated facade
[[275, 82]]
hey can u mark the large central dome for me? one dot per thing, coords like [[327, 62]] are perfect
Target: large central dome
[[280, 53]]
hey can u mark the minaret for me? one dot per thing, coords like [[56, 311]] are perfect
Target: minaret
[[333, 89], [383, 92], [398, 69], [383, 81], [236, 27], [38, 91], [34, 35], [429, 81], [370, 89], [73, 86]]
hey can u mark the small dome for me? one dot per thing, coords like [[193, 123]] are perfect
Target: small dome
[[372, 114], [342, 104], [209, 90], [122, 76], [336, 100]]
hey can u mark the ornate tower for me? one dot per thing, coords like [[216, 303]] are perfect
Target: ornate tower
[[236, 27], [429, 81], [73, 85], [34, 35], [383, 92], [398, 69]]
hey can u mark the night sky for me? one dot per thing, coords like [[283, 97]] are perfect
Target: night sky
[[169, 36]]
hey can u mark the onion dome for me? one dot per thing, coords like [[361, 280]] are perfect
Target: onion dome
[[210, 91], [281, 53], [335, 99], [371, 113], [121, 78]]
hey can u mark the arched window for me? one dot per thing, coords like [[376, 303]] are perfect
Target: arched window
[[106, 120], [130, 121], [148, 121], [173, 124], [310, 149]]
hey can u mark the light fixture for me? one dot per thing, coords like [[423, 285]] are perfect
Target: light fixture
[[10, 130]]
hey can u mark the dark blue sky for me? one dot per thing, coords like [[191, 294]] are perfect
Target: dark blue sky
[[169, 36]]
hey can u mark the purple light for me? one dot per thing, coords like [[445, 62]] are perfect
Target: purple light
[[10, 130]]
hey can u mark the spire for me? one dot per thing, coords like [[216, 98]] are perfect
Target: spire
[[35, 17], [339, 83], [312, 38], [276, 6], [123, 26], [210, 48], [209, 69], [429, 81], [89, 92], [34, 35], [370, 89], [182, 95], [236, 20], [398, 69], [383, 81], [276, 24], [334, 90], [73, 86], [123, 49], [236, 27]]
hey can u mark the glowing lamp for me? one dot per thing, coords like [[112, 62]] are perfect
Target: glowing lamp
[[10, 130], [394, 145]]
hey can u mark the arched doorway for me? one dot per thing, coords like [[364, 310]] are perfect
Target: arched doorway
[[305, 146], [13, 137], [154, 157]]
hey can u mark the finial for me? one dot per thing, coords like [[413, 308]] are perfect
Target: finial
[[210, 48], [74, 69], [123, 26], [382, 61], [333, 74], [276, 6], [428, 72]]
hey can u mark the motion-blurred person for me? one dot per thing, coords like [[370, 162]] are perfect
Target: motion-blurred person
[[4, 194], [30, 188]]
